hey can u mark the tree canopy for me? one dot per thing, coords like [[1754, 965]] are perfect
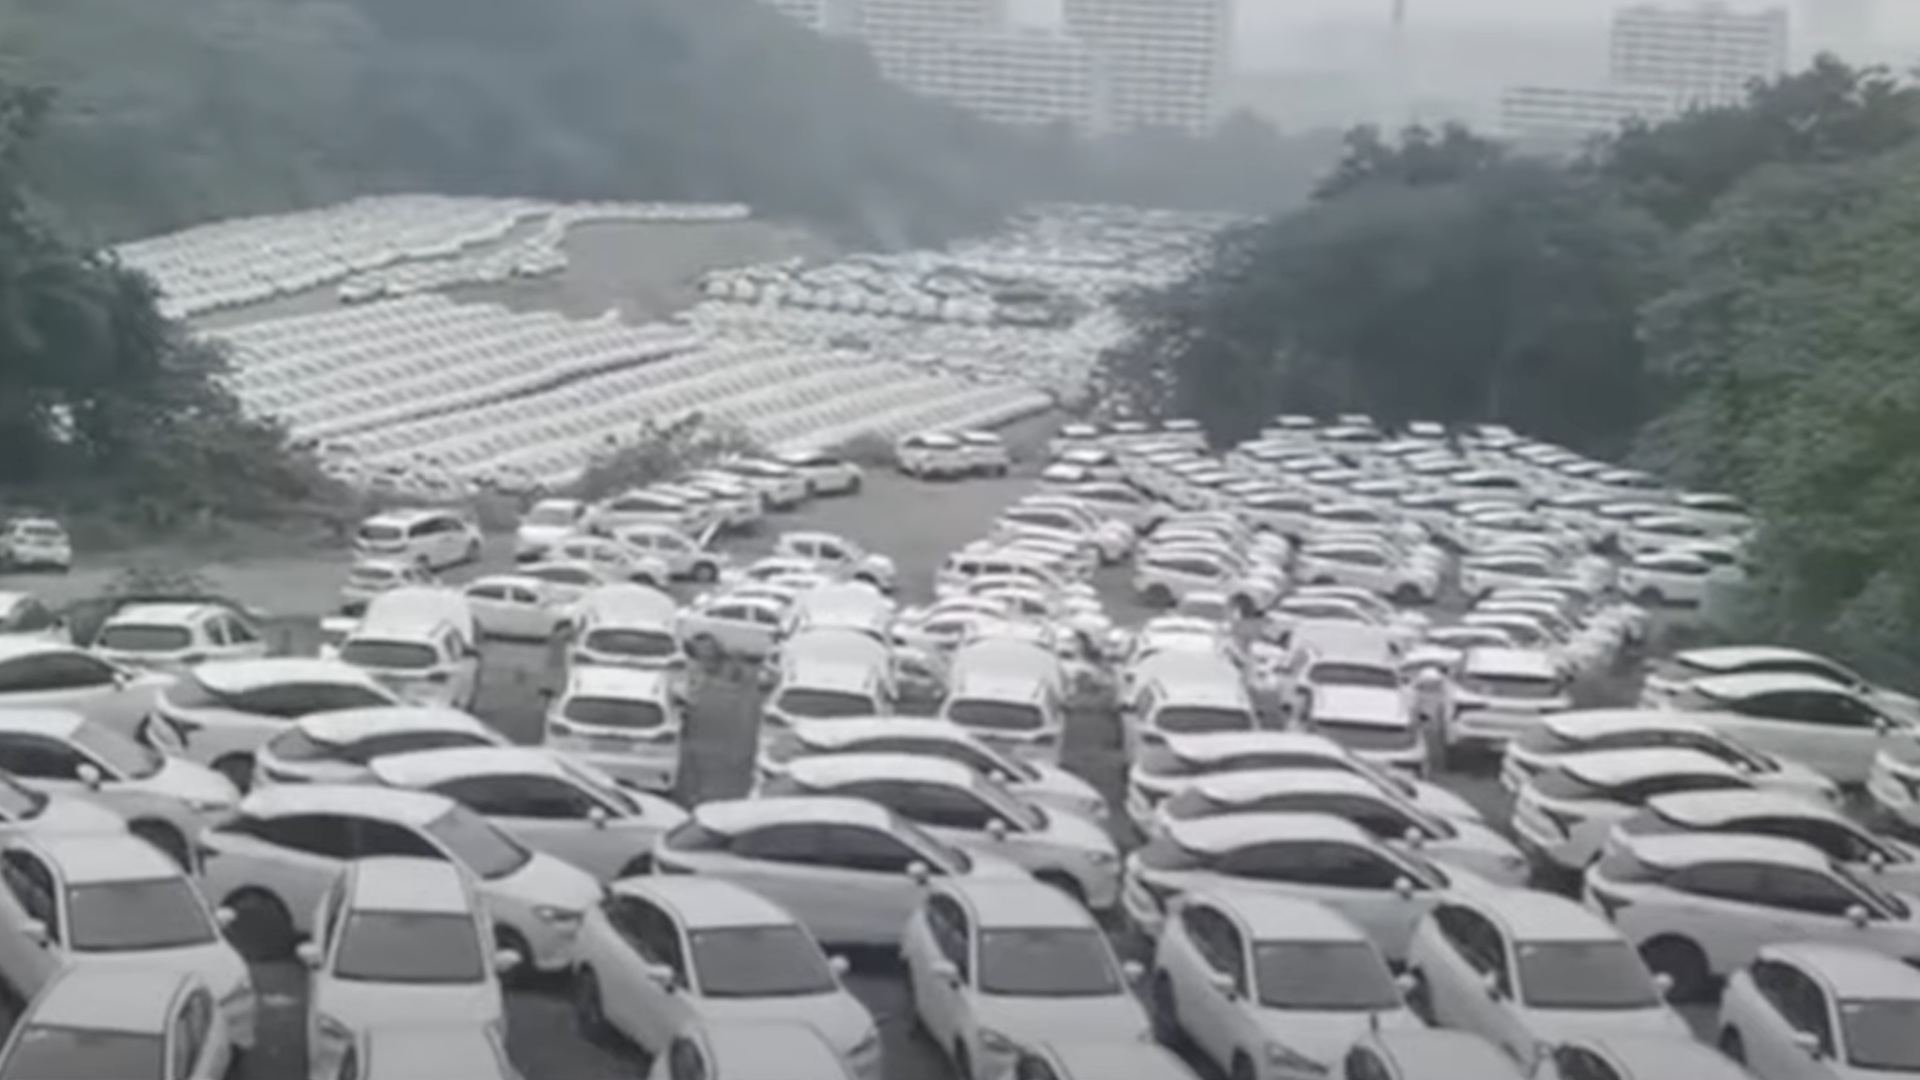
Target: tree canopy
[[1724, 297]]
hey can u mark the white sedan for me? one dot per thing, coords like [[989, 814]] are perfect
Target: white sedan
[[996, 966], [661, 953], [514, 606]]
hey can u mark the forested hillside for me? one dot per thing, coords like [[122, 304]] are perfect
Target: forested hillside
[[1726, 298], [171, 112]]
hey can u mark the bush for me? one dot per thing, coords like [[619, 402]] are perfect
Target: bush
[[658, 453]]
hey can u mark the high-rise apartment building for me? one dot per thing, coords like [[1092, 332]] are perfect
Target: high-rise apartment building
[[898, 32], [1166, 60], [824, 16], [1706, 54], [1554, 119], [1015, 76]]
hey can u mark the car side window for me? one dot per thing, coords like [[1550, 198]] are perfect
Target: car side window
[[38, 758], [1805, 891], [54, 671], [33, 615], [540, 797], [1738, 883], [239, 633], [1804, 1007], [194, 1024], [373, 838], [947, 923], [1832, 838], [781, 843], [1215, 939], [1349, 866], [652, 933], [486, 592], [928, 804], [329, 836], [855, 847], [32, 884]]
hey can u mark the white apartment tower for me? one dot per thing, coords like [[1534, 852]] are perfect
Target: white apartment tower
[[1705, 54], [1166, 60], [899, 32], [1015, 76], [1560, 119]]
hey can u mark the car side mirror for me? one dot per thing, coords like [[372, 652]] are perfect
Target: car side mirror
[[505, 960], [598, 816], [1406, 984], [839, 964], [920, 872], [947, 972], [1223, 984], [1808, 1042], [90, 775], [663, 977], [1134, 970], [226, 917], [1403, 888], [1414, 837], [36, 931], [1859, 916], [997, 829], [309, 953], [1663, 982]]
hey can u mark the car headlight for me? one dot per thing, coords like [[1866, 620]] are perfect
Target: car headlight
[[868, 1043], [1285, 1057], [559, 916], [240, 995], [1103, 858], [209, 806], [997, 1043], [332, 1030]]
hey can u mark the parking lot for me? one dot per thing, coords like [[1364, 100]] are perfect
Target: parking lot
[[913, 522]]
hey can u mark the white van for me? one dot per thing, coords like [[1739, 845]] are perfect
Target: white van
[[419, 643], [627, 626]]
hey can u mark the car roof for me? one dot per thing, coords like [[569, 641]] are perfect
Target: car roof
[[93, 858], [1610, 768], [834, 770], [612, 681], [399, 883], [1220, 745], [1730, 658], [425, 768], [163, 613], [56, 723], [844, 732], [1599, 723], [12, 648], [1851, 971], [1497, 660], [1017, 903], [359, 800], [1712, 809], [1420, 1053], [1534, 915], [737, 815], [135, 998], [406, 515], [241, 676], [1272, 917], [1749, 683], [821, 673], [1136, 1060], [345, 726], [706, 903], [1225, 832], [1247, 785], [621, 602], [1673, 851]]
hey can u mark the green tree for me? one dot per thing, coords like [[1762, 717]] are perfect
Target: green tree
[[1420, 157]]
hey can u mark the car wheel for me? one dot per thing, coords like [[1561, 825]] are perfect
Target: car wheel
[[1420, 997], [1158, 596], [167, 838], [1242, 1068], [963, 1062], [1244, 607], [473, 550], [589, 1012], [704, 573], [506, 937], [853, 486], [262, 930], [1681, 961], [1649, 597], [238, 769], [1163, 1010], [1406, 595], [1732, 1045]]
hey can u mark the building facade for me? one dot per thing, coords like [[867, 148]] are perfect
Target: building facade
[[1015, 76], [1558, 119], [1166, 61], [1706, 54], [900, 32]]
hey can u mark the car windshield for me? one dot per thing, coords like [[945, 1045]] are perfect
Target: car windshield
[[1323, 976], [19, 803], [121, 755], [643, 644], [1373, 675], [379, 533], [410, 947], [397, 655], [47, 1052], [1584, 975], [1880, 1033], [996, 715], [144, 638], [613, 712], [1192, 719], [759, 962], [546, 514], [1051, 962], [824, 704], [136, 916], [484, 849]]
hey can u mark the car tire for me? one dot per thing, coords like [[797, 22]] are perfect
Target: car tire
[[262, 930], [1242, 1068], [1733, 1046], [238, 769], [506, 937], [1163, 1011], [703, 573], [1157, 596], [1407, 595], [853, 487], [167, 838], [473, 550], [1649, 598], [1682, 961], [589, 1011], [963, 1063]]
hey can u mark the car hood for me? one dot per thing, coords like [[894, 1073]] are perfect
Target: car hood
[[71, 814], [547, 882], [362, 1004], [1058, 783], [190, 782], [1077, 833], [993, 866], [838, 1016], [1326, 1036], [216, 962], [1560, 1025], [1034, 1020]]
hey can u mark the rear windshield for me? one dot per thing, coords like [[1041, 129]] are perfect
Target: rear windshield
[[996, 715], [138, 638], [40, 531], [1160, 761], [397, 655], [1544, 740], [1559, 784], [644, 644], [1194, 719], [824, 704], [613, 712], [1373, 675], [1513, 687]]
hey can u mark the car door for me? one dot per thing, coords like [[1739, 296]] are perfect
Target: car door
[[548, 814], [955, 816], [868, 875], [1798, 1009], [34, 887], [306, 853], [1454, 978], [72, 680], [783, 862], [1833, 733], [949, 1004], [641, 1004], [1212, 992]]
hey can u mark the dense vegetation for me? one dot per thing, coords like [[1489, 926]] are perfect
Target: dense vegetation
[[1726, 297], [178, 111]]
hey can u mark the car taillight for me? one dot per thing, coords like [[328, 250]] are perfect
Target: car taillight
[[1047, 739], [560, 728]]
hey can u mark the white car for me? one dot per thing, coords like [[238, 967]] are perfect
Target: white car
[[1700, 906], [553, 804], [27, 616], [36, 673], [1522, 968], [724, 624], [933, 455], [219, 713], [1482, 574], [155, 1023], [1498, 694], [850, 870], [1428, 1054], [1893, 781], [163, 800], [683, 556], [272, 862], [1370, 567], [644, 507], [986, 453], [1270, 986], [409, 1051], [546, 523], [625, 626], [336, 747], [627, 722], [1822, 1012], [837, 555], [1180, 761], [1667, 680], [35, 544], [958, 805], [172, 636], [398, 941], [661, 953], [116, 903], [612, 562], [1637, 1057], [1587, 731], [1033, 781], [996, 966], [750, 1050], [1316, 857], [783, 487], [433, 539], [1386, 815], [1805, 717], [516, 606], [1564, 814], [1096, 1059], [368, 578], [1161, 576], [826, 473], [1666, 579], [1881, 860]]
